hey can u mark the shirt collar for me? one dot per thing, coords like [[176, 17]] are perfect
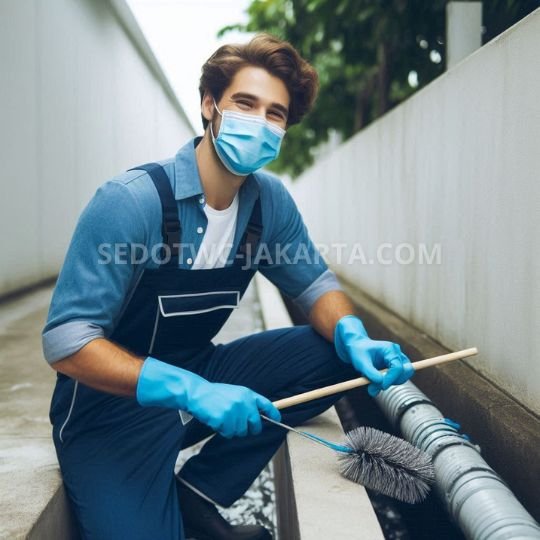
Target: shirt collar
[[187, 179], [186, 172]]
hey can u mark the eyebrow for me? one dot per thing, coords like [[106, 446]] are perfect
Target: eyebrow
[[277, 106]]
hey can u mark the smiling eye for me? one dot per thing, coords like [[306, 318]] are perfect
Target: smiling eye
[[244, 104], [277, 114]]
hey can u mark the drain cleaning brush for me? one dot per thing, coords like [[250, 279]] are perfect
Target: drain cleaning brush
[[370, 457], [387, 464], [379, 461]]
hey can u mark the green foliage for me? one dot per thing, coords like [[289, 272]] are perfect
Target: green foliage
[[364, 51]]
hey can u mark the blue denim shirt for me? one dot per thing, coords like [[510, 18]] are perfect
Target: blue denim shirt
[[120, 229]]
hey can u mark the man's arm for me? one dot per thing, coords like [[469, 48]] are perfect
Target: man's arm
[[295, 265], [86, 304], [328, 310], [315, 289], [332, 315], [93, 283], [103, 365], [228, 409]]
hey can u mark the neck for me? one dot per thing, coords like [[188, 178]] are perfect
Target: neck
[[220, 185]]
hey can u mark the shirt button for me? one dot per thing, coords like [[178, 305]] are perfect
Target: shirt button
[[200, 230], [201, 200], [190, 261]]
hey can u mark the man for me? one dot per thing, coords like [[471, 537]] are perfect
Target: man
[[130, 337]]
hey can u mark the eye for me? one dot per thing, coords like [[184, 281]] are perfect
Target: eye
[[278, 117], [243, 104]]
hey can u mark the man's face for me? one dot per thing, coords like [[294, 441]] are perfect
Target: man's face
[[253, 91]]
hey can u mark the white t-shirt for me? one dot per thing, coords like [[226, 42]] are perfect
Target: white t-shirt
[[218, 237]]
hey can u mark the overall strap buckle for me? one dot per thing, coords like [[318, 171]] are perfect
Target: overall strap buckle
[[171, 232]]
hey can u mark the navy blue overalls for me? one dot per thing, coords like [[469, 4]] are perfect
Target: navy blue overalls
[[117, 458]]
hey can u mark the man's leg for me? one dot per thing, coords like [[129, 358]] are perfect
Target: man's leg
[[117, 461], [277, 364]]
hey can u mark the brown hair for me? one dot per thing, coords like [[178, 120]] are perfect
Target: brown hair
[[278, 57]]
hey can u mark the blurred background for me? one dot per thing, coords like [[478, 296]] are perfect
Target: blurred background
[[370, 55]]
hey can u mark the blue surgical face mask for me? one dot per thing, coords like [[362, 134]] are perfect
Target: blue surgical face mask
[[246, 142]]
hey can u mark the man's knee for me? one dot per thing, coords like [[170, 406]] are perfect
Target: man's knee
[[319, 356]]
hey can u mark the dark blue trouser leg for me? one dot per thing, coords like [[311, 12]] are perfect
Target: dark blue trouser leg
[[117, 458], [276, 363], [117, 461]]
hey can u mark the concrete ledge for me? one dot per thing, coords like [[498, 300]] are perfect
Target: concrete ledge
[[313, 500], [56, 521], [33, 503]]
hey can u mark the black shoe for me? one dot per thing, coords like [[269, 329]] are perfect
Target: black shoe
[[202, 521]]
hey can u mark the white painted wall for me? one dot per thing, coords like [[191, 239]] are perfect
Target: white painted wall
[[82, 99], [456, 165]]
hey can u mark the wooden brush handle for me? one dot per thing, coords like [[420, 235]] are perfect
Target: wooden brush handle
[[361, 381]]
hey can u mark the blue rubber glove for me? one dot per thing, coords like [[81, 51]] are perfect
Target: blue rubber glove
[[367, 356], [232, 411]]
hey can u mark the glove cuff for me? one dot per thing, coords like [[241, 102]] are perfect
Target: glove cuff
[[348, 329], [164, 385]]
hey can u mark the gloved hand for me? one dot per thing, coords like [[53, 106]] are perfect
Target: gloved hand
[[367, 356], [228, 409]]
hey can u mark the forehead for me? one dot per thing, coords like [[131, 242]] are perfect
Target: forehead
[[260, 83]]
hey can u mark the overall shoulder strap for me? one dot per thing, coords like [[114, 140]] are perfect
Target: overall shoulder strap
[[170, 227], [253, 232]]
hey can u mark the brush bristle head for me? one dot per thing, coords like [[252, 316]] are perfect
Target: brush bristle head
[[387, 464]]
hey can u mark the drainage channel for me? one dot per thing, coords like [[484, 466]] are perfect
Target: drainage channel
[[399, 521], [476, 503]]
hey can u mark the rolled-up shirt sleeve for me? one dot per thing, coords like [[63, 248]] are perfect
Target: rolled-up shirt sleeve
[[290, 259], [96, 273]]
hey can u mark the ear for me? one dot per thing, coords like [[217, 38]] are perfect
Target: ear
[[207, 106]]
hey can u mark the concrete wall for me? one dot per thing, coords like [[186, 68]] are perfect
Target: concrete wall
[[82, 99], [455, 166]]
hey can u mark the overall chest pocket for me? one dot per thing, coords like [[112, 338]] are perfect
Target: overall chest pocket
[[190, 320], [174, 305]]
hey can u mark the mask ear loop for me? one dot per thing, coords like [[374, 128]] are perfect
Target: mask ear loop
[[211, 123], [215, 105]]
